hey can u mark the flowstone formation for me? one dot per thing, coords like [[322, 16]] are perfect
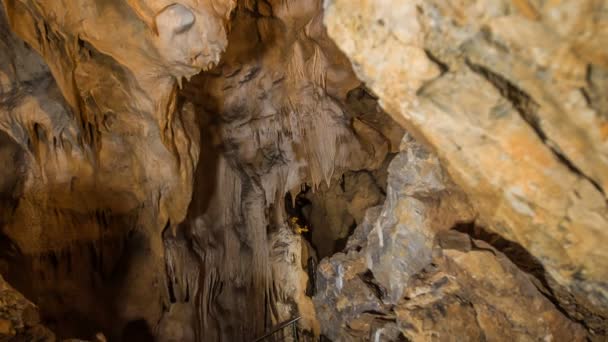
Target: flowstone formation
[[282, 109], [103, 153], [203, 170]]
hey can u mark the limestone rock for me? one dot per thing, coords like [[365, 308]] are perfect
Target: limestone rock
[[478, 294], [393, 243], [104, 163], [280, 115], [19, 318], [506, 94], [155, 154]]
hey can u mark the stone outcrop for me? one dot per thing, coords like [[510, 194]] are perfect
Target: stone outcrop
[[19, 318], [404, 276], [506, 93]]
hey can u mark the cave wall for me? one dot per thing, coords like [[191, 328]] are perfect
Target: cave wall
[[150, 145], [507, 94], [20, 318], [406, 276], [110, 161], [104, 165]]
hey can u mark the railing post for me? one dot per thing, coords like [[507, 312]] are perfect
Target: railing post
[[295, 331]]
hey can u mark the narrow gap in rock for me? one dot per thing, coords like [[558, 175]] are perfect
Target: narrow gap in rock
[[368, 278], [527, 108]]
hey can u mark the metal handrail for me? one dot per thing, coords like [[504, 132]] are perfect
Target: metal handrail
[[281, 327]]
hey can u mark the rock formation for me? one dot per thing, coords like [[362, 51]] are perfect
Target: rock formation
[[19, 318], [507, 94], [176, 171], [404, 275]]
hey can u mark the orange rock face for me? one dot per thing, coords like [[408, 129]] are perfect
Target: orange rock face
[[507, 95]]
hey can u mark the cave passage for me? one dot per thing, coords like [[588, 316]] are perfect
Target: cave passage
[[362, 170]]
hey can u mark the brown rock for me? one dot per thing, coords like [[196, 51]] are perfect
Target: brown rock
[[6, 328], [480, 294], [19, 318], [494, 88], [157, 205]]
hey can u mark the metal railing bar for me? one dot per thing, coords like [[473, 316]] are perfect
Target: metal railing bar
[[278, 328]]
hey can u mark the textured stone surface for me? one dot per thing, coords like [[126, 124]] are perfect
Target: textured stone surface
[[476, 293], [401, 277], [146, 199], [507, 94], [19, 318], [104, 159], [105, 133], [285, 110], [394, 243]]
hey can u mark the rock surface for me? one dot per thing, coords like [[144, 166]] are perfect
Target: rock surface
[[507, 94], [400, 277], [175, 170], [104, 158], [393, 243], [19, 318], [107, 133], [281, 108]]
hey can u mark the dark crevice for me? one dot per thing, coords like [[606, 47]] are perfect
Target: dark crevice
[[587, 97], [172, 297], [564, 160], [340, 244], [380, 316], [443, 68], [514, 251], [137, 330], [520, 100], [311, 268], [187, 298], [368, 279], [595, 90], [527, 109]]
